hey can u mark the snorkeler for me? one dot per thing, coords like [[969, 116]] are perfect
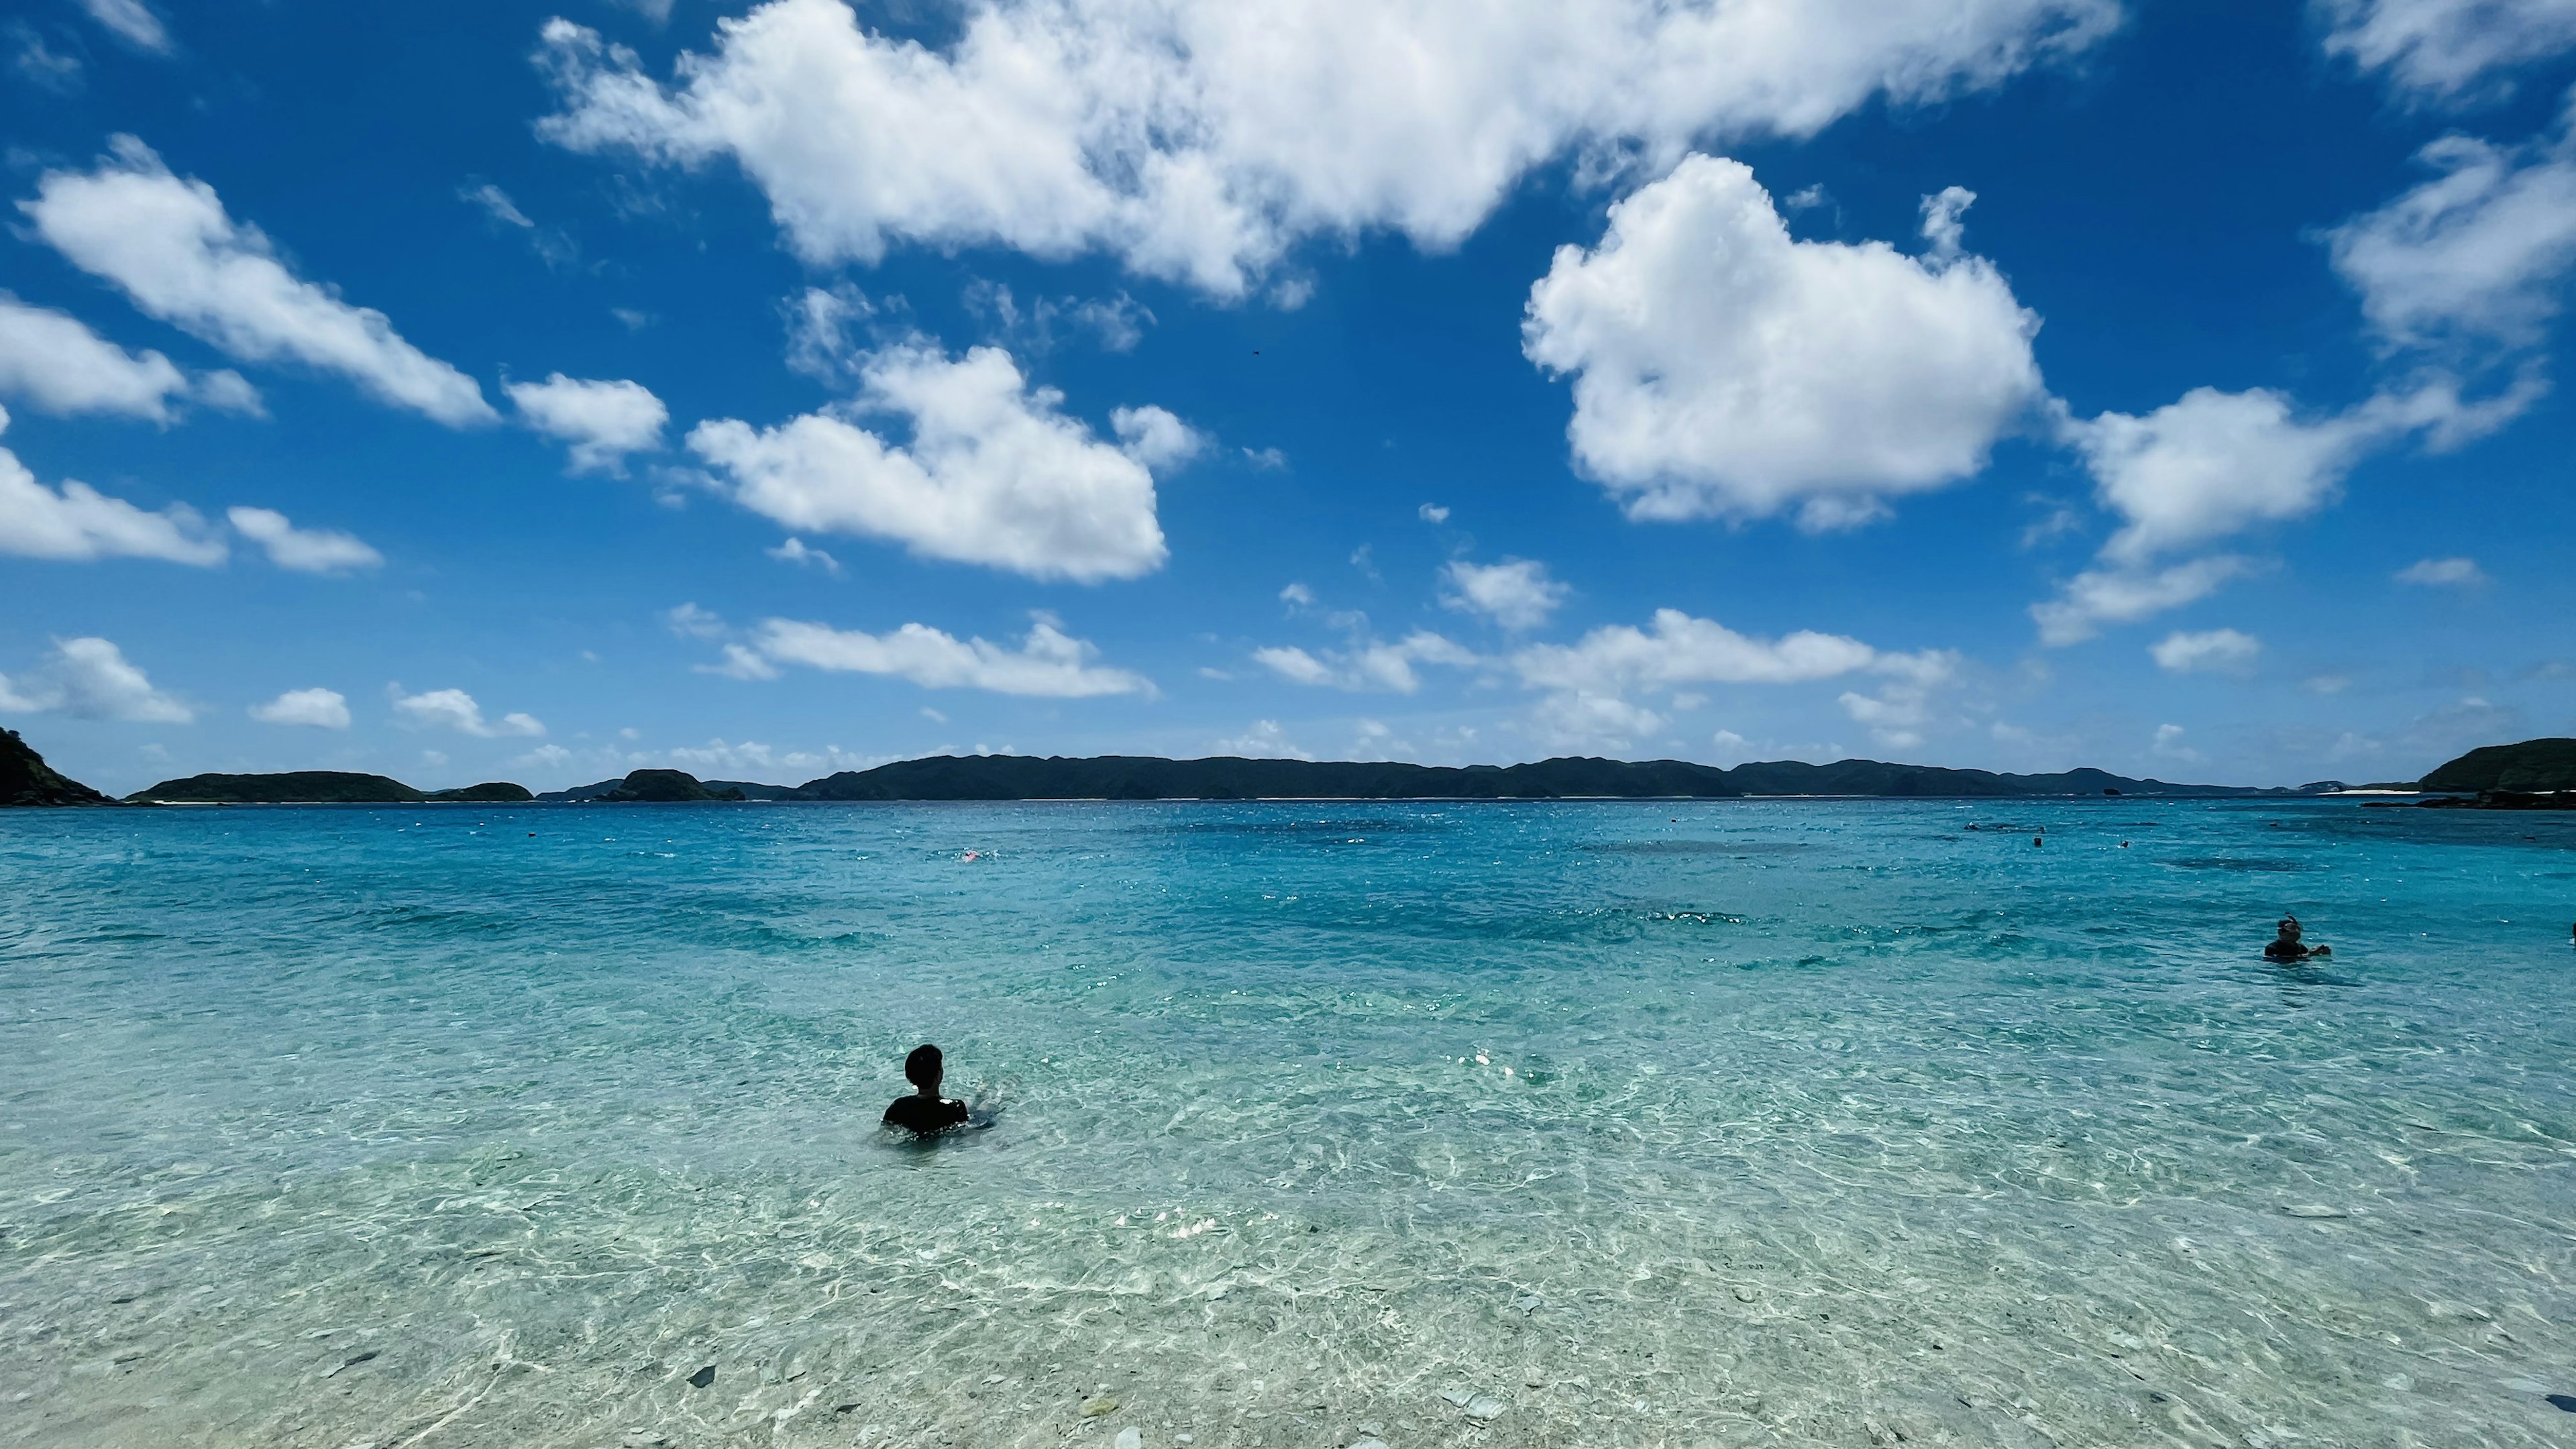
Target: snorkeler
[[2286, 946], [925, 1113]]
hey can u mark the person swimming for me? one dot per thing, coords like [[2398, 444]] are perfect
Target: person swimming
[[925, 1113], [2287, 945]]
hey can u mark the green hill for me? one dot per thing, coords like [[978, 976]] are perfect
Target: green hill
[[490, 792], [2532, 767], [1138, 777], [294, 787], [26, 780]]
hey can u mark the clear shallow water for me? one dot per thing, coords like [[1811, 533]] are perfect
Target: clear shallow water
[[1797, 1123]]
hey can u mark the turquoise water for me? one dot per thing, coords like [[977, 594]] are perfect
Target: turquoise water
[[1782, 1123]]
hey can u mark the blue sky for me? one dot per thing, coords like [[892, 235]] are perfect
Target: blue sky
[[538, 394]]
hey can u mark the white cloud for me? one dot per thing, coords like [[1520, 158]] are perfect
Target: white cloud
[[1201, 139], [91, 678], [2169, 743], [1516, 593], [823, 332], [1589, 682], [995, 474], [305, 550], [1723, 369], [496, 204], [2217, 651], [1432, 513], [1368, 664], [1297, 596], [1049, 662], [691, 622], [456, 710], [321, 708], [80, 523], [2447, 49], [2214, 463], [798, 551], [52, 360], [1264, 741], [603, 421], [1681, 650], [133, 21], [2477, 252], [169, 244], [2456, 573], [1155, 438], [2120, 596]]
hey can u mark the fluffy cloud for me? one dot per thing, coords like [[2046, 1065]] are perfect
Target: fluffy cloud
[[2453, 573], [132, 21], [305, 550], [2221, 651], [2476, 252], [320, 708], [1516, 593], [603, 421], [1264, 741], [1155, 438], [169, 244], [1049, 662], [80, 523], [1368, 664], [1589, 682], [2215, 463], [1200, 139], [92, 679], [456, 710], [2447, 49], [52, 360], [1723, 369], [2124, 595], [995, 474]]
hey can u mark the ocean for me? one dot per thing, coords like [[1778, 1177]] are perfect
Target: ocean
[[1567, 1124]]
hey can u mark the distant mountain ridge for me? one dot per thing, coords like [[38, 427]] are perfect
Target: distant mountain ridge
[[2531, 767], [1226, 777], [318, 787]]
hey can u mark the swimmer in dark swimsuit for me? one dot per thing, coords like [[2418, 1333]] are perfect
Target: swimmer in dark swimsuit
[[2286, 946], [925, 1113]]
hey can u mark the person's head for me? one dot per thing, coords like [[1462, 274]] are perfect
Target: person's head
[[2289, 928], [923, 1068]]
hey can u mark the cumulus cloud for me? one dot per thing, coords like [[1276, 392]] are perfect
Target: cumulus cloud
[[1589, 682], [1368, 664], [2220, 651], [2477, 252], [1048, 664], [1723, 369], [320, 708], [79, 523], [2447, 50], [1200, 139], [132, 21], [305, 550], [1516, 593], [603, 421], [456, 710], [2452, 573], [798, 551], [1264, 741], [2214, 464], [1154, 437], [91, 678], [168, 243], [994, 474], [2169, 743], [53, 361], [2121, 596]]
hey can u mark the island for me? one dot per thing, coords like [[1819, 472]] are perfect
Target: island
[[26, 780]]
